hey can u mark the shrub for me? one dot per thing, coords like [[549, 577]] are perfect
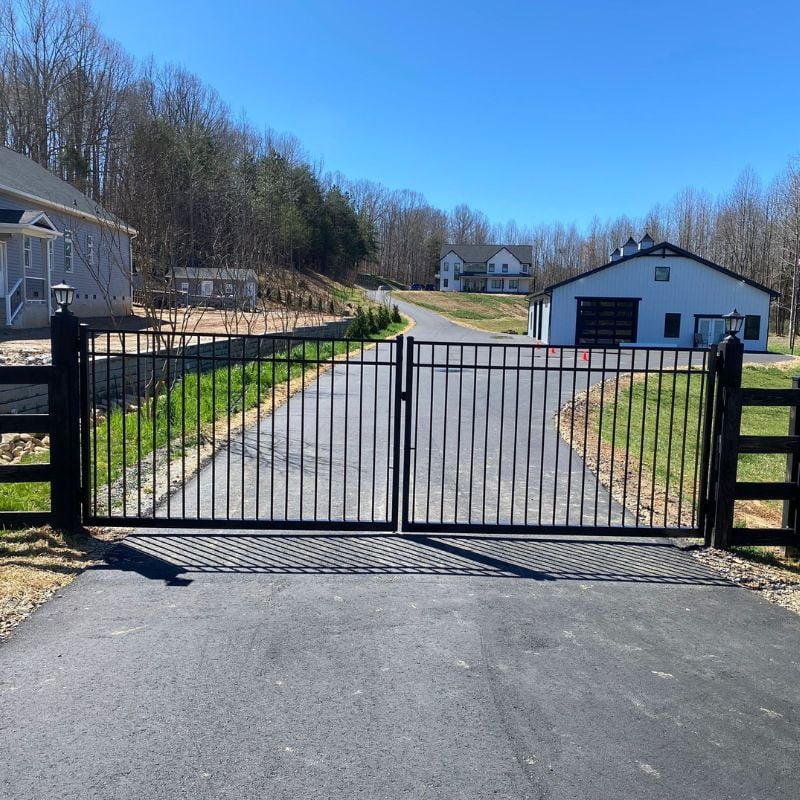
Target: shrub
[[396, 314], [358, 327]]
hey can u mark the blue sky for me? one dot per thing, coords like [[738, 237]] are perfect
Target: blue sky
[[537, 111]]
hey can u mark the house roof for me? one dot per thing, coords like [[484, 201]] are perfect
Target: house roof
[[26, 221], [24, 178], [483, 252], [659, 249]]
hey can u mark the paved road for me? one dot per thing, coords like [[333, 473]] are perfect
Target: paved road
[[208, 666]]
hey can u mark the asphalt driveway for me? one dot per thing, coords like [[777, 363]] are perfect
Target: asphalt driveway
[[203, 665]]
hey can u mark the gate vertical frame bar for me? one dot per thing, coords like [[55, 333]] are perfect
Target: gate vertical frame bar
[[704, 501], [406, 396], [398, 400], [83, 377]]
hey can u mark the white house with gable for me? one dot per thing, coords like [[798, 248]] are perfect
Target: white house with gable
[[498, 268], [650, 294]]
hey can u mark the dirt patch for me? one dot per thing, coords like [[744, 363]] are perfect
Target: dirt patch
[[36, 563], [777, 584]]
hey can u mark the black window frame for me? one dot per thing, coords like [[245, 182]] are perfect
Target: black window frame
[[670, 319], [661, 271], [748, 336]]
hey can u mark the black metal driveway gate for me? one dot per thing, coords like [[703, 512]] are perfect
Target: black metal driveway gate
[[511, 438], [278, 432], [198, 430]]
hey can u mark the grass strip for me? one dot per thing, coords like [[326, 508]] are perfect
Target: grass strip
[[122, 435]]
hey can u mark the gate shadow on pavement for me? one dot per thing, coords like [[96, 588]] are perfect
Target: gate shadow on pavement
[[173, 558]]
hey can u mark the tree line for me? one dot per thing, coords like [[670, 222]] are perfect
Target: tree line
[[160, 149]]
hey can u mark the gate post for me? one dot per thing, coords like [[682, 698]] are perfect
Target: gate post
[[731, 353], [64, 406]]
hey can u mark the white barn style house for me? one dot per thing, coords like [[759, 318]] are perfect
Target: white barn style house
[[650, 294], [499, 268], [51, 233]]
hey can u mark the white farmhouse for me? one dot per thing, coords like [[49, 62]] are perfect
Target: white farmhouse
[[650, 294], [503, 269]]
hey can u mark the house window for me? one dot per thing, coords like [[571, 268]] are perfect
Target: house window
[[228, 288], [491, 267], [752, 326], [513, 284], [89, 250], [185, 287], [497, 284], [456, 266], [49, 254], [524, 269], [447, 266], [445, 283], [67, 251], [26, 252], [505, 267], [662, 273], [207, 288], [672, 325]]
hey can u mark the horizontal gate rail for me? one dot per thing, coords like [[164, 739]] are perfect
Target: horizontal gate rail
[[510, 438]]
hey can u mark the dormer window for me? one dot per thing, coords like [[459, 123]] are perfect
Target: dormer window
[[491, 267]]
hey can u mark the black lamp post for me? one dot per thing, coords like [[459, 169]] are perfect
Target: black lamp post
[[731, 350], [64, 294], [733, 322]]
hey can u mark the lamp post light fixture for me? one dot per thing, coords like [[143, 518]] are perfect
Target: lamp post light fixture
[[64, 294], [733, 323]]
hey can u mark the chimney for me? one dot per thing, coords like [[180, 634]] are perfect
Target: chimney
[[616, 254], [630, 247], [646, 241]]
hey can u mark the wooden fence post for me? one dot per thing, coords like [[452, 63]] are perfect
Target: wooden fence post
[[65, 485], [731, 352], [790, 515]]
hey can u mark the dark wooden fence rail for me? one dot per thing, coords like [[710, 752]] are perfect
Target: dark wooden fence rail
[[51, 377], [729, 489]]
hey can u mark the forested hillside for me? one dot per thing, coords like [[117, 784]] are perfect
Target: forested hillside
[[161, 149]]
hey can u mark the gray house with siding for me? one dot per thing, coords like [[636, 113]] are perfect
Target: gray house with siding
[[49, 233]]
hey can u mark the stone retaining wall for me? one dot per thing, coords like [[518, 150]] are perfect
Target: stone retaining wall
[[113, 378]]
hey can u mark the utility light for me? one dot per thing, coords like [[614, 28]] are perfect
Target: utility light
[[64, 295], [733, 322]]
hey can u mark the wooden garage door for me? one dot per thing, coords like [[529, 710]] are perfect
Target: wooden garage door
[[606, 321]]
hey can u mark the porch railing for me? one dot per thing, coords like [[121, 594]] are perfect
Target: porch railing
[[14, 301]]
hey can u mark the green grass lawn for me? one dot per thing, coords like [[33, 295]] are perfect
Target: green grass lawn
[[664, 436], [489, 312], [122, 437]]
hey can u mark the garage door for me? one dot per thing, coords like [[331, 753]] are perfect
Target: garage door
[[606, 321]]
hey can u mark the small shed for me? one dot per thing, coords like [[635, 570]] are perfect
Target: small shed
[[217, 287]]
